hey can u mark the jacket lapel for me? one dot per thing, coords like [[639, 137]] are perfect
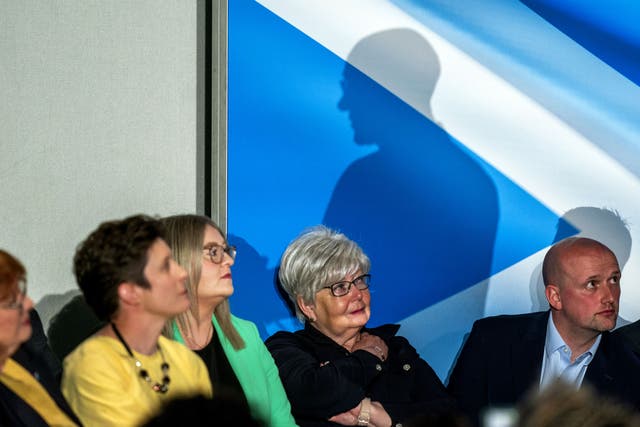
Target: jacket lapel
[[599, 372], [527, 353]]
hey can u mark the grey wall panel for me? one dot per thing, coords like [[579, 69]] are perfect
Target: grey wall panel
[[98, 120]]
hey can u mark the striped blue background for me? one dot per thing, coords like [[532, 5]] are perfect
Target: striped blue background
[[437, 219]]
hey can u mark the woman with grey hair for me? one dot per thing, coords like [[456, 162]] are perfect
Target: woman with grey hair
[[336, 371]]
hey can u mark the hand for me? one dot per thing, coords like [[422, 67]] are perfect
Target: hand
[[347, 418], [373, 344], [379, 416]]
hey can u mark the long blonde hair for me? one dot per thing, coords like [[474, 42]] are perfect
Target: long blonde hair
[[184, 235]]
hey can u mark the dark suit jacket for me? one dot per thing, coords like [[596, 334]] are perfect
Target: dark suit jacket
[[502, 358], [630, 334]]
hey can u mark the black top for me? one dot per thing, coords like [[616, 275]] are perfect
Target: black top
[[74, 323], [224, 380], [630, 334], [323, 379]]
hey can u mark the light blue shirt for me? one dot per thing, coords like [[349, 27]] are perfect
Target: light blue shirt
[[556, 363]]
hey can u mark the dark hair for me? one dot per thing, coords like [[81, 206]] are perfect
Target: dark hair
[[196, 411], [114, 253]]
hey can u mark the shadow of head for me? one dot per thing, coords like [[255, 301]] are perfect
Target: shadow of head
[[399, 62]]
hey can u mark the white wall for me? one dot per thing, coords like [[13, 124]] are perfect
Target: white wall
[[97, 121]]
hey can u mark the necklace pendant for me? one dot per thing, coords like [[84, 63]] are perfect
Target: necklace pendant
[[144, 374]]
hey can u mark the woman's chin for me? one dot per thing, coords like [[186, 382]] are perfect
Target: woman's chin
[[221, 290], [359, 318]]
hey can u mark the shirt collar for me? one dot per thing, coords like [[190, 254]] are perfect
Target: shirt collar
[[554, 342]]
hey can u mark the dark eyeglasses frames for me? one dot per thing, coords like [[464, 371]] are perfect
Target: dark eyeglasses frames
[[216, 252], [343, 287]]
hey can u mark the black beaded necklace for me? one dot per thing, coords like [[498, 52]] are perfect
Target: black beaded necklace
[[157, 387]]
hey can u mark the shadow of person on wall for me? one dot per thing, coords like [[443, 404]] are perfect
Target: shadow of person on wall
[[257, 296], [422, 207], [603, 225]]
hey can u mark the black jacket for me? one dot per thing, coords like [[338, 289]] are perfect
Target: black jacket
[[630, 334], [323, 379]]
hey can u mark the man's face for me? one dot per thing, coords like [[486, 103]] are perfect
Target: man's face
[[588, 291], [167, 296]]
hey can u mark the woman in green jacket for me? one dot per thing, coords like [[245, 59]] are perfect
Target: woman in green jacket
[[239, 364]]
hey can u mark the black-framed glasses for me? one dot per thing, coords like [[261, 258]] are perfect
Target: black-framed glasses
[[342, 288], [17, 300], [216, 252]]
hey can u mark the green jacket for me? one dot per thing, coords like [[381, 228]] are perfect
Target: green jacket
[[256, 372]]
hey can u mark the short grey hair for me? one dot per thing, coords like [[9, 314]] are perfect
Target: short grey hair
[[316, 258]]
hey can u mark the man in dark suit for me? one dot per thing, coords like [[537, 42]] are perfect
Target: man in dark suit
[[505, 356]]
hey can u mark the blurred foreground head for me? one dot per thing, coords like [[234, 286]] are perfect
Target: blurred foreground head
[[561, 405]]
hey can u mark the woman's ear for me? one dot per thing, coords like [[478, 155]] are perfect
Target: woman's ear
[[309, 310], [129, 293]]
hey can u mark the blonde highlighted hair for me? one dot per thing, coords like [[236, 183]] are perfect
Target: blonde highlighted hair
[[184, 234]]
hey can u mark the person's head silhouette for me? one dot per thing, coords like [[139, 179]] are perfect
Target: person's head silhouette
[[604, 225], [399, 61]]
